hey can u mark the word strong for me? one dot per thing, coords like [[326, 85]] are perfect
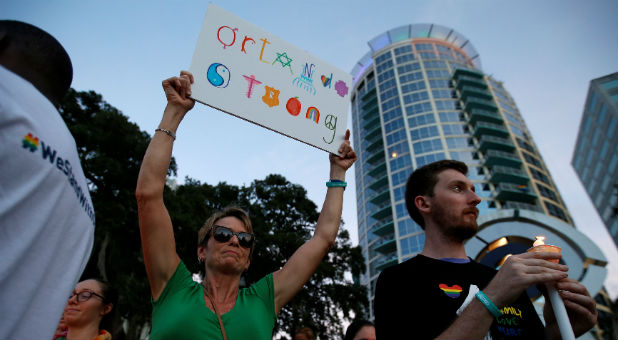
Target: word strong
[[252, 74]]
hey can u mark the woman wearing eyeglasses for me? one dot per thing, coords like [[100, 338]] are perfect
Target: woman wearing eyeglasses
[[91, 302], [217, 308]]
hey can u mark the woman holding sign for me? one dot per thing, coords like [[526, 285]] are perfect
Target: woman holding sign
[[217, 308]]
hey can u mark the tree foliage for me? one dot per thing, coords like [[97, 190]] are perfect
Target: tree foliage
[[111, 149]]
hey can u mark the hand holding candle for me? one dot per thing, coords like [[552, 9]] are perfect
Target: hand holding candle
[[562, 318]]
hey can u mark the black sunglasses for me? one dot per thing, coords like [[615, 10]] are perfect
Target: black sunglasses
[[224, 234]]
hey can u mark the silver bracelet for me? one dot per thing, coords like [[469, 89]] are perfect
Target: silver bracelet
[[169, 132]]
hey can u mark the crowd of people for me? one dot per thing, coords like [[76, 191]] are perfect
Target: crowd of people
[[47, 229]]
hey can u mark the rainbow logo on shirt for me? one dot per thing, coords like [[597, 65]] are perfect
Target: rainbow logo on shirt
[[30, 142], [451, 291]]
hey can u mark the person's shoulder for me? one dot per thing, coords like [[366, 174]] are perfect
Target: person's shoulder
[[402, 269]]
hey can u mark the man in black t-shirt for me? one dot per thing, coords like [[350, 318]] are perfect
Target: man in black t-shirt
[[441, 293]]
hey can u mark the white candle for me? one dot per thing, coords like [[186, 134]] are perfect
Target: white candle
[[562, 318]]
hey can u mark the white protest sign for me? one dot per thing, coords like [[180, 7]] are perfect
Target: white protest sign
[[252, 74]]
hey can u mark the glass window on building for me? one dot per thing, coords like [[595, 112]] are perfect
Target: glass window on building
[[407, 226], [404, 58], [409, 68], [400, 162], [418, 108], [400, 177], [450, 116], [532, 160], [438, 94], [424, 132], [401, 210], [434, 64], [439, 83], [424, 47], [517, 132], [464, 156], [457, 143], [555, 210], [475, 173], [393, 125], [383, 57], [438, 74], [412, 244], [396, 137], [411, 87], [547, 192], [525, 145], [482, 190], [392, 114], [423, 160], [539, 176], [427, 55], [446, 105], [398, 149], [427, 146], [415, 97], [385, 76], [593, 102], [454, 129], [421, 120], [403, 49], [399, 193]]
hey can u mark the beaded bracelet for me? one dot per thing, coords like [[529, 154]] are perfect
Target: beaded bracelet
[[169, 132], [491, 307]]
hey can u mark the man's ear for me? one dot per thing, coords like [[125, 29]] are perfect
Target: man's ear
[[423, 204]]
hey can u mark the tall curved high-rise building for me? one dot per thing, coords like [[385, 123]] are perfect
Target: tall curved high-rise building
[[420, 95]]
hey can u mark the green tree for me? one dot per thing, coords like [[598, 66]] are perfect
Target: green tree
[[111, 149]]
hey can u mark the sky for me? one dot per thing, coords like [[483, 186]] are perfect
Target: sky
[[545, 52]]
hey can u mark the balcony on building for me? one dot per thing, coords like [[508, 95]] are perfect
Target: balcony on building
[[369, 95], [380, 197], [501, 174], [378, 144], [382, 228], [385, 245], [479, 103], [467, 73], [515, 192], [376, 158], [467, 91], [479, 115], [374, 134], [386, 261], [370, 113], [378, 171], [495, 143], [470, 81], [495, 157], [370, 124], [383, 211], [379, 183], [490, 129]]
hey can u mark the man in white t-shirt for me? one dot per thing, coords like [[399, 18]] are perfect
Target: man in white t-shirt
[[46, 214]]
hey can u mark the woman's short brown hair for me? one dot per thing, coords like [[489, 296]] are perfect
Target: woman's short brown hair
[[206, 230]]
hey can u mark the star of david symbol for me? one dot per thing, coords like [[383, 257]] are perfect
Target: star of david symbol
[[281, 57]]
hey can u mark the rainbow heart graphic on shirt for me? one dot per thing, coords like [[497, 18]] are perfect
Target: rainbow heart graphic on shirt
[[451, 291]]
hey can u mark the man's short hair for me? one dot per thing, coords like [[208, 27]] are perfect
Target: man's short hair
[[41, 56], [422, 182]]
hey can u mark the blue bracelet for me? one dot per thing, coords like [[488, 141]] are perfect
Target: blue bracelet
[[333, 183], [488, 304]]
